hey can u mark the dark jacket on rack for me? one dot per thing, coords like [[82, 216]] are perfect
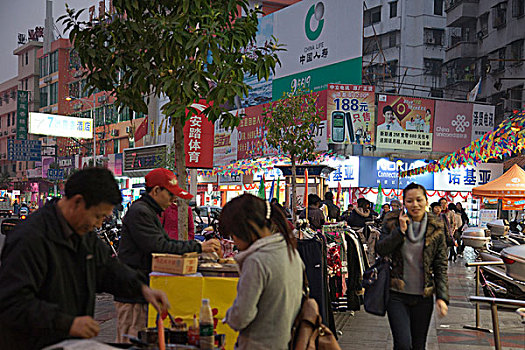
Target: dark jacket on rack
[[434, 255]]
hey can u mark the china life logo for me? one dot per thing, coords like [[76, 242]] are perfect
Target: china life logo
[[315, 14]]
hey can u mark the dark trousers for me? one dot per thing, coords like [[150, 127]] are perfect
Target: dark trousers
[[409, 318]]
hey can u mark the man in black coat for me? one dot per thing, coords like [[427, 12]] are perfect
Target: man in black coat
[[334, 213], [53, 264], [142, 235]]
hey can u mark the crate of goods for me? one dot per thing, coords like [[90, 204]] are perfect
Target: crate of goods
[[177, 264]]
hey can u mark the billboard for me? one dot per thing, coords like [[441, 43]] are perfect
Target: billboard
[[404, 122], [198, 139], [374, 170], [346, 173], [60, 125], [453, 127], [482, 120], [350, 111], [225, 142], [22, 108], [323, 41]]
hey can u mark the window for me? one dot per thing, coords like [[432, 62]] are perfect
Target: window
[[393, 9], [501, 57], [53, 62], [499, 15], [392, 39], [43, 96], [370, 45], [392, 68], [372, 16], [438, 7], [433, 66], [20, 168], [515, 97], [53, 93], [483, 25], [115, 146], [518, 8], [13, 116], [434, 36], [124, 114], [516, 52], [14, 167], [44, 66], [27, 58], [8, 119]]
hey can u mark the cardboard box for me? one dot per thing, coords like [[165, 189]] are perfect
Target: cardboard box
[[177, 264]]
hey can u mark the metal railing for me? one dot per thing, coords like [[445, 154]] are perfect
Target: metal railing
[[478, 264], [494, 302]]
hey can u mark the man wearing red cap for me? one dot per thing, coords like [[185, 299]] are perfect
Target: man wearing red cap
[[142, 235]]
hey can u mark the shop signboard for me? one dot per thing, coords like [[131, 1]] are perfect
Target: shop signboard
[[453, 126], [225, 142], [404, 122], [482, 120], [139, 161], [24, 150], [374, 170], [312, 32], [60, 125], [115, 163], [232, 179], [22, 110], [346, 173], [198, 139], [350, 111], [46, 164], [465, 178], [486, 216]]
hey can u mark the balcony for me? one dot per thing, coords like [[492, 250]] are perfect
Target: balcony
[[460, 12], [461, 49]]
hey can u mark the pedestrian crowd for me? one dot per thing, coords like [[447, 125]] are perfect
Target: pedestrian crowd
[[53, 263]]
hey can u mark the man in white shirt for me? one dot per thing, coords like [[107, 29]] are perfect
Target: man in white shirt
[[391, 122]]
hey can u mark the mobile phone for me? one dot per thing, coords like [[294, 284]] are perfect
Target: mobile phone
[[338, 127], [350, 125]]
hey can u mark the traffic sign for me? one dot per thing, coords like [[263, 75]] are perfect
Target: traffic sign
[[55, 174], [24, 150]]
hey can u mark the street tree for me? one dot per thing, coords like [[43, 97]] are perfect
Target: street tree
[[187, 50], [291, 123]]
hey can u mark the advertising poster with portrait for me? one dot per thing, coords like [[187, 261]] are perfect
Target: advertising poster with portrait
[[404, 122], [350, 114]]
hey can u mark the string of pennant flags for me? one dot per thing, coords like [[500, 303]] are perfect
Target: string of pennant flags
[[251, 166], [507, 138]]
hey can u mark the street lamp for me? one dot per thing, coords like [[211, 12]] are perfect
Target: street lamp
[[93, 103]]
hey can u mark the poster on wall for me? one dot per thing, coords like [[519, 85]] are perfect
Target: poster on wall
[[374, 170], [453, 126], [465, 178], [482, 120], [350, 111], [404, 122]]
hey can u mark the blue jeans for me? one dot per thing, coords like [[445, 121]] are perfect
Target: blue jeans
[[409, 318]]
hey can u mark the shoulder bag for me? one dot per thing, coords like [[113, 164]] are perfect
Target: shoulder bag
[[376, 282], [308, 332]]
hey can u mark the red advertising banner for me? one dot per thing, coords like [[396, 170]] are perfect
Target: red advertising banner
[[404, 122], [251, 134], [452, 126], [198, 139]]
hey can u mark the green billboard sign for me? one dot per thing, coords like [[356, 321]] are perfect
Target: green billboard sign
[[22, 112]]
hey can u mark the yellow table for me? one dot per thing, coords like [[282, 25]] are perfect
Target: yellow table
[[185, 294]]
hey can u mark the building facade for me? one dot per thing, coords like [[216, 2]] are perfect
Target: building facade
[[486, 43], [398, 56]]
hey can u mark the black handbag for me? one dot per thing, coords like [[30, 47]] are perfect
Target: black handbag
[[376, 282]]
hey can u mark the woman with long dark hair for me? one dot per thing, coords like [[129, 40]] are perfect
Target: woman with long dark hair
[[269, 291], [416, 244]]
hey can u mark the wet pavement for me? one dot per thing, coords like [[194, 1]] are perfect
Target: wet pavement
[[365, 331]]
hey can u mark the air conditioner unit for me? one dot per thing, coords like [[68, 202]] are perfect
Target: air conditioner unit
[[114, 132], [128, 129], [102, 98]]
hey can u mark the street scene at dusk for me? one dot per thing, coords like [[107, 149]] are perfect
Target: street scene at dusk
[[251, 174]]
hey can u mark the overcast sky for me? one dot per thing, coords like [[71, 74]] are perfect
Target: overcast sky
[[20, 15]]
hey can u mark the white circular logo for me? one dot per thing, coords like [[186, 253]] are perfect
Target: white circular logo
[[516, 180]]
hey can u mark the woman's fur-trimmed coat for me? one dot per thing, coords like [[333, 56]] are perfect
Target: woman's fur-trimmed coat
[[434, 255]]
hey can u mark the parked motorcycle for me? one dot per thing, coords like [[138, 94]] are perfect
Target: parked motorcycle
[[508, 279], [110, 233]]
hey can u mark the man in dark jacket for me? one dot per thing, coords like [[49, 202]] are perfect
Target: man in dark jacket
[[53, 264], [142, 235], [315, 215], [334, 213]]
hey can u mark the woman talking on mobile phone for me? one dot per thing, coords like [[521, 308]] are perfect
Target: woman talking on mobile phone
[[415, 242]]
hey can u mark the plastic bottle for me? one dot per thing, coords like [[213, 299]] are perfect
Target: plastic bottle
[[193, 332], [206, 337]]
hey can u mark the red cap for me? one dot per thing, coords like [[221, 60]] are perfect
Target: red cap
[[166, 178]]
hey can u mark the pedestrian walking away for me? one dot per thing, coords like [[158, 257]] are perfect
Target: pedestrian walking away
[[53, 263], [269, 291], [415, 242], [142, 235]]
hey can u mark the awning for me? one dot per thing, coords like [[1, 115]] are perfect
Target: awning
[[510, 185]]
